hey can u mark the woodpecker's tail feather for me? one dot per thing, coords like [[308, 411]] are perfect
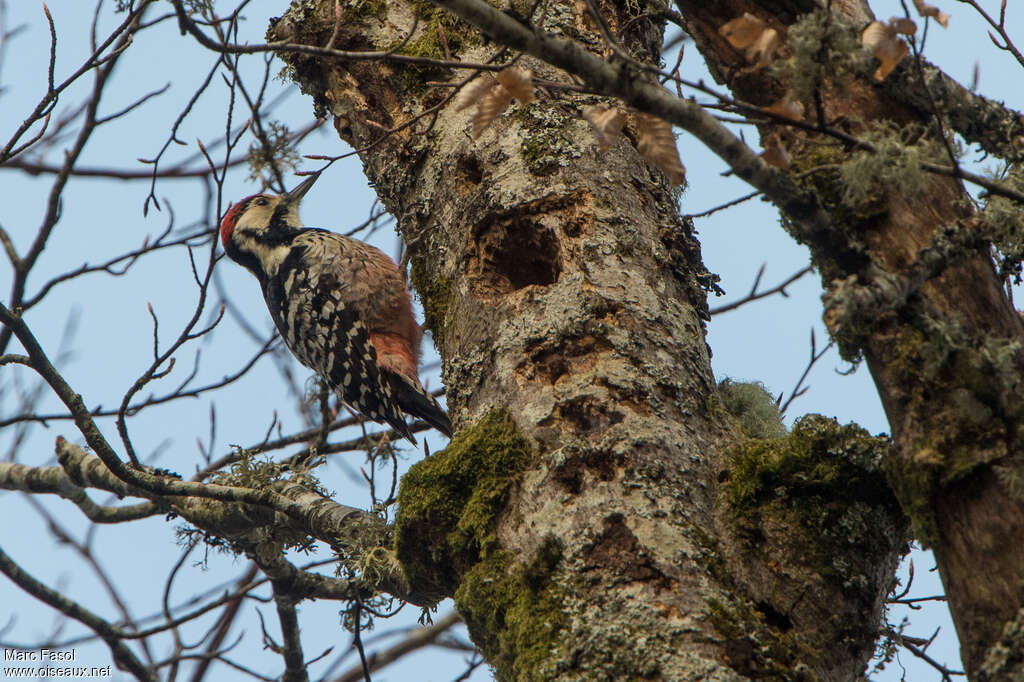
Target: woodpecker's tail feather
[[402, 428], [417, 402], [394, 420]]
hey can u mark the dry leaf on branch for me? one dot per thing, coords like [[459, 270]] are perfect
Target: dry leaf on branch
[[885, 45], [763, 50], [926, 10], [474, 91], [519, 82], [743, 31], [903, 25], [494, 102], [657, 144], [606, 122], [753, 35], [775, 152], [493, 95], [787, 108]]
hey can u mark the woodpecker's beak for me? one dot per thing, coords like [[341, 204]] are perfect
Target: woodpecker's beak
[[300, 190]]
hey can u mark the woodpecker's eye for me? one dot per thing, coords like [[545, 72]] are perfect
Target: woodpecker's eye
[[261, 201]]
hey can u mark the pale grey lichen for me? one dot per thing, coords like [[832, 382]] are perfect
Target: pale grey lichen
[[894, 167]]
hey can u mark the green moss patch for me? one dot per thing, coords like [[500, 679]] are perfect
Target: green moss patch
[[449, 503], [757, 647], [818, 500], [436, 296], [457, 35], [753, 406], [448, 509], [819, 458], [360, 10], [825, 478], [514, 612]]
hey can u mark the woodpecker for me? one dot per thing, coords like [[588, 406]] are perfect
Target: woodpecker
[[340, 305]]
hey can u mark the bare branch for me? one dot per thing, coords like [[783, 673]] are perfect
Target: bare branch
[[417, 639], [295, 666], [54, 480], [123, 656], [814, 357], [755, 295], [226, 620]]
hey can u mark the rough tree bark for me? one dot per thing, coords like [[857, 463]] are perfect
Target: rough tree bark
[[947, 360], [599, 514]]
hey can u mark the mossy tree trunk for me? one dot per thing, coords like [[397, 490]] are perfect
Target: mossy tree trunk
[[599, 514], [947, 361]]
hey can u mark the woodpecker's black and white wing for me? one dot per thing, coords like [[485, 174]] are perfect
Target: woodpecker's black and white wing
[[306, 299]]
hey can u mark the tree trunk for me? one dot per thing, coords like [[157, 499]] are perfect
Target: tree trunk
[[599, 514], [948, 362]]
